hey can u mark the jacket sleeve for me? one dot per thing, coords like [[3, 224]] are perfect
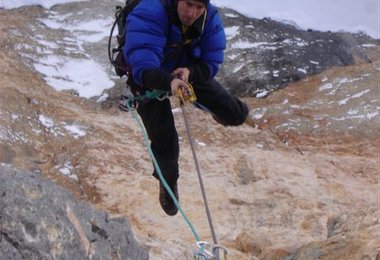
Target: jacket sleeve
[[213, 43], [199, 72], [157, 79], [147, 27]]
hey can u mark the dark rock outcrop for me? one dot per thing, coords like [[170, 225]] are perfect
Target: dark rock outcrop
[[40, 220], [264, 55]]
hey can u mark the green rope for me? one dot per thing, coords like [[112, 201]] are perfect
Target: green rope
[[150, 94], [157, 167]]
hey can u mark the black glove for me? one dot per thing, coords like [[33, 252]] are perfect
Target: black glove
[[157, 79]]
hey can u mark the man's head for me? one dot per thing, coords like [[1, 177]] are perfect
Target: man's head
[[203, 1], [190, 10]]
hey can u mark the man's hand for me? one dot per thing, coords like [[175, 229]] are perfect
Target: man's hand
[[182, 73], [179, 86]]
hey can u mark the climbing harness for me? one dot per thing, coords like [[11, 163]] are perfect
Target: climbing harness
[[130, 103]]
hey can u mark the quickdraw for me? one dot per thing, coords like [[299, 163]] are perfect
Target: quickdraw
[[206, 251]]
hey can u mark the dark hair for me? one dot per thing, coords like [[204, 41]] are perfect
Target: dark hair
[[203, 1]]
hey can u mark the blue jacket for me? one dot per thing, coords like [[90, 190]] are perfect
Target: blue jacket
[[154, 39]]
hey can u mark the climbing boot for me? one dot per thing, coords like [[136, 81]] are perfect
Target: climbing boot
[[166, 201]]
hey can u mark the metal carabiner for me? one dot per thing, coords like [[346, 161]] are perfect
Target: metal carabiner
[[200, 256], [203, 251], [215, 248]]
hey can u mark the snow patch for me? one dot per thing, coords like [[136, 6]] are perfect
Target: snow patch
[[302, 70], [236, 69], [262, 93], [15, 117], [249, 45], [233, 56], [46, 121], [85, 76], [259, 113], [357, 95], [372, 115], [76, 130], [231, 32], [368, 45], [10, 4], [231, 15], [199, 143], [67, 170], [296, 41]]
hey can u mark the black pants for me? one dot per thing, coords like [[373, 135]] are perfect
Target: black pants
[[158, 120]]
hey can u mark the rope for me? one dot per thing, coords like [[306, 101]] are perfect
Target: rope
[[159, 95], [162, 179], [198, 173], [196, 162]]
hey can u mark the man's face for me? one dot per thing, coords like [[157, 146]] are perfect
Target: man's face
[[189, 11]]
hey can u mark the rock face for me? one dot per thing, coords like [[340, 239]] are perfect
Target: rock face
[[264, 55], [302, 185], [40, 220]]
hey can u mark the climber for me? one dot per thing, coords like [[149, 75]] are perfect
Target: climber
[[168, 47]]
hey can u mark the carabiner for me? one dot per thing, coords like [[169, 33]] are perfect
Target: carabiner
[[202, 249], [215, 248]]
